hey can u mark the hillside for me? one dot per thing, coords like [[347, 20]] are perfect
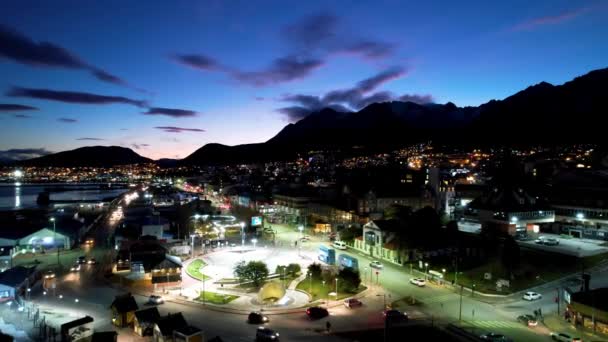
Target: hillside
[[101, 156]]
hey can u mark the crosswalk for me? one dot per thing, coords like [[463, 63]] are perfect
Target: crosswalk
[[438, 299], [491, 324]]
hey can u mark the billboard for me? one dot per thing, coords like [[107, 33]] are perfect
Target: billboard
[[256, 221]]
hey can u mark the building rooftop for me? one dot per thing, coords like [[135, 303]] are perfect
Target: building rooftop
[[125, 303], [150, 315], [170, 323], [16, 275], [596, 298]]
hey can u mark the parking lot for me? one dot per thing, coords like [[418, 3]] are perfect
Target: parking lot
[[573, 246]]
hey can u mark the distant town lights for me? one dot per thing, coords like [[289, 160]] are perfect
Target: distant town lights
[[18, 174]]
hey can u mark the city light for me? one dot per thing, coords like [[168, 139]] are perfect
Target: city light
[[580, 216]]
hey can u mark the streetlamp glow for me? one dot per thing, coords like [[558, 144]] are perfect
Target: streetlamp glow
[[580, 216], [52, 219], [254, 241], [514, 219], [301, 229], [76, 300]]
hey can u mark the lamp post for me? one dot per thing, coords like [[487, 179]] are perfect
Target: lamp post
[[426, 271], [192, 237], [336, 289], [327, 301], [242, 234], [310, 282], [52, 219], [254, 241], [443, 273], [301, 229]]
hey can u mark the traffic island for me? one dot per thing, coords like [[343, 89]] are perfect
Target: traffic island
[[194, 270]]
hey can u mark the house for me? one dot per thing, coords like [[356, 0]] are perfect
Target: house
[[377, 240], [77, 330], [145, 320], [123, 310], [174, 328], [15, 281], [589, 309]]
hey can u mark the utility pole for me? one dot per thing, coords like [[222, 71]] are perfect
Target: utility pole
[[460, 310]]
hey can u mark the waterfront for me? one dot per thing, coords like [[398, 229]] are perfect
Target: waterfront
[[24, 196]]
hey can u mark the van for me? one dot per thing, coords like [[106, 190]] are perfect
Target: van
[[339, 245]]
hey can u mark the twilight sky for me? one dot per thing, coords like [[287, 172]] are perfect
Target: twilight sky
[[165, 78]]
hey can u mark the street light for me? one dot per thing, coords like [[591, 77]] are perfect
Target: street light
[[310, 282], [76, 300], [242, 234], [426, 270], [52, 219], [327, 302], [336, 289], [254, 241], [580, 216], [301, 229], [192, 236]]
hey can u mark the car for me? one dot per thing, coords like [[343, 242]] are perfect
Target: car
[[316, 312], [418, 282], [352, 303], [89, 241], [154, 299], [266, 334], [376, 264], [339, 244], [493, 337], [92, 261], [528, 320], [532, 296], [564, 337], [394, 315], [75, 268], [551, 242], [539, 241], [305, 238], [81, 260], [49, 274], [257, 318]]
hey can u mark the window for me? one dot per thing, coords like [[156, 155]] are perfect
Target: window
[[4, 294]]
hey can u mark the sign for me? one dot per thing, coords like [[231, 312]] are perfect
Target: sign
[[420, 264], [487, 276], [503, 282], [256, 221]]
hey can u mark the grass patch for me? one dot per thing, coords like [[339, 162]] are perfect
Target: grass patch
[[215, 298], [319, 291], [194, 270]]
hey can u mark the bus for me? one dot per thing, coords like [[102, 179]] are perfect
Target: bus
[[327, 255], [348, 261]]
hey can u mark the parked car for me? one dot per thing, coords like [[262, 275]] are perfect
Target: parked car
[[305, 238], [49, 274], [257, 318], [317, 312], [339, 245], [92, 261], [532, 296], [352, 303], [551, 242], [528, 320], [266, 334], [564, 337], [418, 282], [81, 259], [376, 264], [395, 315], [75, 268], [154, 299], [493, 337]]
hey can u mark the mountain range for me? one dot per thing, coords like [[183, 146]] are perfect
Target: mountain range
[[97, 156], [543, 113]]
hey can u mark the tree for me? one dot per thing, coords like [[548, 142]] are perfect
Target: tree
[[254, 271], [510, 255], [315, 270], [293, 269], [348, 280], [349, 234]]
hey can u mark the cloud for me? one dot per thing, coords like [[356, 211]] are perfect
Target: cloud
[[23, 153], [67, 120], [72, 96], [139, 146], [355, 98], [172, 112], [90, 139], [124, 129], [173, 129], [281, 70], [200, 62], [323, 33], [550, 19], [22, 116], [21, 49], [11, 107], [259, 98]]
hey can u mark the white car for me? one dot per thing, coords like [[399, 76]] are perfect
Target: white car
[[564, 337], [532, 296], [418, 282], [376, 264]]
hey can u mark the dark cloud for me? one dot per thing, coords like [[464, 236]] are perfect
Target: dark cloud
[[21, 49], [172, 112], [201, 62], [67, 120], [11, 107], [23, 153], [551, 19], [259, 98], [173, 129], [71, 96], [324, 34], [90, 139], [419, 99], [22, 116], [139, 146], [281, 70], [345, 100]]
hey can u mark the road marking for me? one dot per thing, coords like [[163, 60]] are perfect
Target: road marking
[[494, 324]]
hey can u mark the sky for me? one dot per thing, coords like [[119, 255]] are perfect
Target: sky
[[167, 77]]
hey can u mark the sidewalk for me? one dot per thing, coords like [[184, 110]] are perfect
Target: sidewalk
[[559, 324]]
